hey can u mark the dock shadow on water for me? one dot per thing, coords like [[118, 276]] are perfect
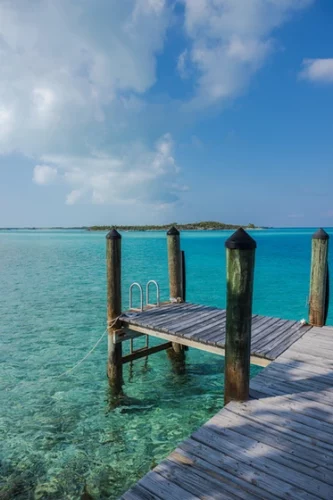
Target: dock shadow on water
[[71, 439]]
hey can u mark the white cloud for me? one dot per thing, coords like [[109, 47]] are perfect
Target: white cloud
[[66, 64], [74, 196], [318, 70], [6, 123], [43, 100], [72, 76], [231, 39], [43, 174], [135, 175], [182, 64]]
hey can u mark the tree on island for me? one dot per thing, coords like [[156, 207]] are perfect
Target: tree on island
[[192, 226]]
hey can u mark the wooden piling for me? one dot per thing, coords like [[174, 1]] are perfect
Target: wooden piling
[[176, 281], [240, 254], [183, 276], [174, 265], [318, 302], [113, 263]]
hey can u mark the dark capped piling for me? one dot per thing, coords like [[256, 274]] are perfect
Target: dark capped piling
[[174, 265], [176, 268], [113, 266], [240, 255]]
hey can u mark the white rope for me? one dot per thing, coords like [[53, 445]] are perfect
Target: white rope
[[84, 358], [70, 370]]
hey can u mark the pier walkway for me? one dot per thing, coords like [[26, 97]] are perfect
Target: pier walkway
[[203, 327], [277, 445]]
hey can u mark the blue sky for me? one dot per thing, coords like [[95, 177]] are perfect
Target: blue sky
[[150, 111]]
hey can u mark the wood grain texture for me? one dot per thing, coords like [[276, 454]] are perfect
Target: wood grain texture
[[255, 360], [145, 351], [319, 276], [204, 327], [277, 446], [113, 271], [175, 267], [240, 275]]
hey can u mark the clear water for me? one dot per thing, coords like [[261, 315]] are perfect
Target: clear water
[[60, 437]]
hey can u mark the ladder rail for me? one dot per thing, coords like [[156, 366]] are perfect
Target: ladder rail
[[153, 282], [138, 285], [135, 284]]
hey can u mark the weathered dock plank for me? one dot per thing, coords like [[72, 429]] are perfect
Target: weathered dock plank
[[205, 327], [279, 445]]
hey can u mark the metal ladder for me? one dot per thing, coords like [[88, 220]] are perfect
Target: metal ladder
[[138, 285]]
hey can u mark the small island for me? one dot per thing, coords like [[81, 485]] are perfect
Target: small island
[[192, 226]]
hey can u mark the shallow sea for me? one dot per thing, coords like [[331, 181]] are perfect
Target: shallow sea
[[60, 436]]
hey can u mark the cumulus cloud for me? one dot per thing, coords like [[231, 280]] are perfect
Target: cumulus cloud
[[72, 70], [230, 41], [75, 77], [6, 123], [317, 70], [43, 174], [64, 64], [72, 75], [135, 175]]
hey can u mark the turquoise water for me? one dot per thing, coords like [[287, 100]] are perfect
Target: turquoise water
[[61, 436]]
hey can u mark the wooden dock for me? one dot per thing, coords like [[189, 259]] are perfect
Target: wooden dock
[[204, 328], [274, 436], [279, 444]]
